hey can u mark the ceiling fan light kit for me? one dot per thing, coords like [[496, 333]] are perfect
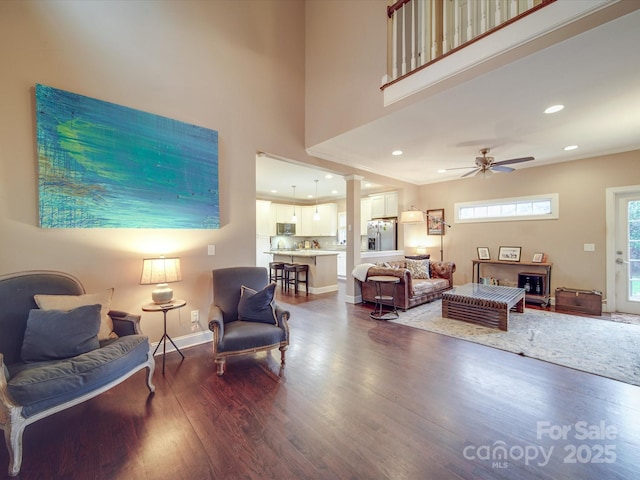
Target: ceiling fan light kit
[[487, 166]]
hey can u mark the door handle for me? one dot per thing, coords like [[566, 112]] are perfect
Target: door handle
[[620, 261]]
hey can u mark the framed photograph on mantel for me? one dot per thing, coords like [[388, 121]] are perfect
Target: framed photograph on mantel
[[539, 258], [509, 254], [435, 218], [483, 253]]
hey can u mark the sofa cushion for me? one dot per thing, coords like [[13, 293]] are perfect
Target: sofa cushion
[[427, 286], [258, 306], [240, 335], [67, 302], [42, 385], [57, 334], [418, 268]]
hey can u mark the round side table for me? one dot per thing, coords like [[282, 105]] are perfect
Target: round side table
[[164, 308], [378, 313]]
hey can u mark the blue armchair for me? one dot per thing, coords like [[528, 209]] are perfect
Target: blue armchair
[[53, 359], [244, 318]]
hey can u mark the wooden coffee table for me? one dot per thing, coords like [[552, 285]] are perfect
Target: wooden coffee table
[[486, 305]]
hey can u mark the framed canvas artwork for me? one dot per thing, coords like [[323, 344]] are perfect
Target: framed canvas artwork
[[102, 165]]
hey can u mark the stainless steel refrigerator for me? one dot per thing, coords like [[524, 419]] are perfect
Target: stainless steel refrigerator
[[381, 234]]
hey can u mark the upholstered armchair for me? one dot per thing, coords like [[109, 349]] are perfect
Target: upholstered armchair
[[244, 317], [60, 346]]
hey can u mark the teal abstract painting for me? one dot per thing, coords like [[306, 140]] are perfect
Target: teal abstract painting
[[102, 165]]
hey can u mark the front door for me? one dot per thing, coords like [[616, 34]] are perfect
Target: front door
[[627, 255]]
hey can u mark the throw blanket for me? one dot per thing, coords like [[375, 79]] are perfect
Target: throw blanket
[[360, 271]]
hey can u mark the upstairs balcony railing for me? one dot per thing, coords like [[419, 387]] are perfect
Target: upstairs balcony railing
[[423, 31]]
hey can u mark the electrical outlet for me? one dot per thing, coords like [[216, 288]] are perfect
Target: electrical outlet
[[195, 316]]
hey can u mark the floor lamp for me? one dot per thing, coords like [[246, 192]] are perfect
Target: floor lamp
[[415, 215]]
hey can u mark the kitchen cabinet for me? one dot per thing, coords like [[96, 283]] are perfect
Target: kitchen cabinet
[[325, 226], [284, 212], [384, 205], [342, 264], [265, 225], [365, 214]]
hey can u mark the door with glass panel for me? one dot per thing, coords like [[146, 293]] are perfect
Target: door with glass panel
[[628, 254]]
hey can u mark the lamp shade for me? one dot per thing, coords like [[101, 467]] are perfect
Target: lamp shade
[[412, 216], [161, 271]]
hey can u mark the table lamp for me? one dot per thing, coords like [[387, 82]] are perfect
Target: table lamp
[[161, 271]]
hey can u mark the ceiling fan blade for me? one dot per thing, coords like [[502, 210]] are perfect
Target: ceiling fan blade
[[500, 168], [514, 160], [472, 172], [458, 168]]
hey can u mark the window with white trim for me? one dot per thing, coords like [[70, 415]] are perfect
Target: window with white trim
[[534, 207]]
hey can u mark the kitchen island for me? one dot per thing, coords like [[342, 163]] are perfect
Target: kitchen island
[[323, 272]]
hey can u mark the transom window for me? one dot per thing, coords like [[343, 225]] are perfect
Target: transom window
[[535, 207]]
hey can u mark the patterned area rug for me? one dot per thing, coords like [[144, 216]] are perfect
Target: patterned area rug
[[607, 348]]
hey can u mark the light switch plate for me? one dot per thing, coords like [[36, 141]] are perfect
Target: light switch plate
[[211, 249], [589, 247]]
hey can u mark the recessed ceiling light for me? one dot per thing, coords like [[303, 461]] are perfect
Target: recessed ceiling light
[[328, 176], [396, 153], [554, 109], [334, 191], [367, 185], [570, 147], [442, 170], [309, 196], [274, 191]]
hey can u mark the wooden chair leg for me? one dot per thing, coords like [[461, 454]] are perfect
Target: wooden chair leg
[[283, 349], [220, 366]]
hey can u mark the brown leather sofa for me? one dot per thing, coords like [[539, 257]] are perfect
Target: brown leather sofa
[[411, 291]]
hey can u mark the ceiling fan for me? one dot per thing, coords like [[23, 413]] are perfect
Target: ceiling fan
[[485, 165]]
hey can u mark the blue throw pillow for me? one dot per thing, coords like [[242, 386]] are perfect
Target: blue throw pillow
[[57, 334], [258, 306]]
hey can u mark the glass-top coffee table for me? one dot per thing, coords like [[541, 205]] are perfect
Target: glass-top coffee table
[[486, 305]]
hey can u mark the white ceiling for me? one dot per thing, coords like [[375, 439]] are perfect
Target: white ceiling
[[596, 75]]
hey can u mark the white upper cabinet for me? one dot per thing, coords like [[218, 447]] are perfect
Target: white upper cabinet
[[284, 212], [306, 226], [264, 224], [384, 205], [365, 214]]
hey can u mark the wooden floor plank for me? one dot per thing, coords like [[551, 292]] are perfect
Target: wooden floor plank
[[358, 399]]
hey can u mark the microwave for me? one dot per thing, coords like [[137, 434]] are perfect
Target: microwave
[[285, 228]]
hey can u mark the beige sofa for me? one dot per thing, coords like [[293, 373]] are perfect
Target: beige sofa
[[411, 291]]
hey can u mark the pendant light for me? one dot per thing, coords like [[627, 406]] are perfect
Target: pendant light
[[294, 219], [316, 216]]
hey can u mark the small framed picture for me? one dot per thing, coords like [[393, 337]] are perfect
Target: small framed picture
[[509, 254], [538, 258], [435, 220], [483, 253]]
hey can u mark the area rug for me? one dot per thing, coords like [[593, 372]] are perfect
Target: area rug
[[602, 347]]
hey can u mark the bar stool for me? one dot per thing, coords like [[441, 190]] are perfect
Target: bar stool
[[292, 273], [276, 272]]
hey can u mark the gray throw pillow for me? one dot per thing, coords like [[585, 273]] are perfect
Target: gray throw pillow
[[258, 306], [57, 334]]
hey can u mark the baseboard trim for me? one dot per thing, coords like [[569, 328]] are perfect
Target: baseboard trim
[[186, 341], [353, 299]]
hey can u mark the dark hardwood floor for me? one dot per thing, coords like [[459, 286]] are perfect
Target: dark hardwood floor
[[358, 399]]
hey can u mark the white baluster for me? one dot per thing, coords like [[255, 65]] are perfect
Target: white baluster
[[484, 10], [394, 46], [456, 23], [471, 20], [445, 26], [434, 29], [413, 35], [498, 19], [404, 42], [422, 28], [513, 9]]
